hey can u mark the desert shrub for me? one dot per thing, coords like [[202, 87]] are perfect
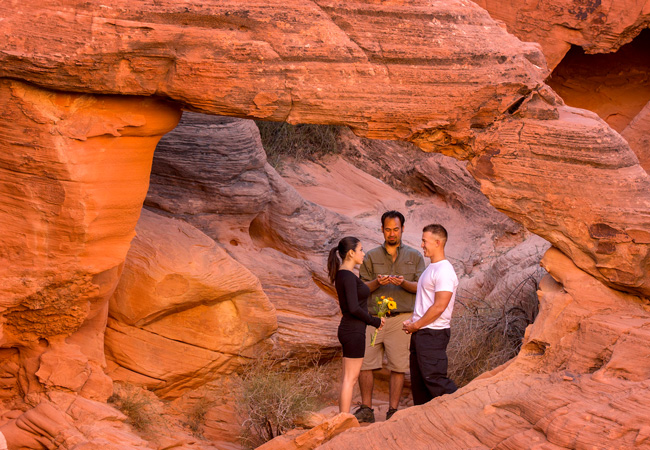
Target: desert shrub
[[484, 336], [303, 141], [273, 395], [195, 418], [140, 410]]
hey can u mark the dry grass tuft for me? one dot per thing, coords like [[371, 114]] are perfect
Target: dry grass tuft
[[141, 411], [195, 415], [303, 141]]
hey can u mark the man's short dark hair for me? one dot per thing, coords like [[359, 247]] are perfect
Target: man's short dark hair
[[436, 229], [392, 215]]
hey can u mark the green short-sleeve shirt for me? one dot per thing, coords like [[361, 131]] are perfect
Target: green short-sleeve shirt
[[409, 264]]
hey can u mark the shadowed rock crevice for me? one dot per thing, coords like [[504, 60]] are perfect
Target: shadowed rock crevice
[[616, 86]]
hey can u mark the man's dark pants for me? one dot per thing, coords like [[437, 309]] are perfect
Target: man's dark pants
[[428, 365]]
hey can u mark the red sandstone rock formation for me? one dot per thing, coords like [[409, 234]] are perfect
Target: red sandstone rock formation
[[638, 136], [212, 173], [476, 88], [183, 313], [67, 225], [598, 52], [616, 86], [596, 26], [451, 81], [295, 440]]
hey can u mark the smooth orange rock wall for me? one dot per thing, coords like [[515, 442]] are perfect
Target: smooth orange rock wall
[[75, 172]]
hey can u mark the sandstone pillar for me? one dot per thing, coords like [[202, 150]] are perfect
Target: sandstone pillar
[[75, 171]]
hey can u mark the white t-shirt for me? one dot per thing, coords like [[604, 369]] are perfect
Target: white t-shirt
[[436, 277]]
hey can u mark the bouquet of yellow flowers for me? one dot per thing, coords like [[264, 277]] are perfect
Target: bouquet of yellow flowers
[[384, 304]]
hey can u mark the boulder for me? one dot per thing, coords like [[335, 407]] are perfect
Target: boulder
[[184, 312]]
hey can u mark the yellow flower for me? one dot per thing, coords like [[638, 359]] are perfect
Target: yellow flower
[[392, 305], [382, 297]]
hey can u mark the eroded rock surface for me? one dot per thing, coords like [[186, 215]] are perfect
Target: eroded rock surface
[[596, 26], [475, 88], [184, 312], [616, 86], [212, 173], [67, 225], [452, 81], [637, 134]]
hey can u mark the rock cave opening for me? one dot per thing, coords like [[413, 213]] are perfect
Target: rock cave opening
[[285, 215], [616, 86]]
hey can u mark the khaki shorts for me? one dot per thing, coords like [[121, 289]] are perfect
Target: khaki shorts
[[393, 341]]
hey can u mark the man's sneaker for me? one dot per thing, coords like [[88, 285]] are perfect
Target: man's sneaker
[[390, 413], [365, 414]]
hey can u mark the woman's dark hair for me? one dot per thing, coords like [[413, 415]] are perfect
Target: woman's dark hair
[[345, 245]]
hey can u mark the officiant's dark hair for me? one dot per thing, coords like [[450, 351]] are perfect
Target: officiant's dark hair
[[345, 245], [392, 215]]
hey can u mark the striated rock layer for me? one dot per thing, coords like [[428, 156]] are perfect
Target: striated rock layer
[[451, 80], [183, 313], [212, 173], [66, 225], [596, 26], [341, 62]]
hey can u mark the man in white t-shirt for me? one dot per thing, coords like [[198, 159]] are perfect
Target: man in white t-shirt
[[429, 325]]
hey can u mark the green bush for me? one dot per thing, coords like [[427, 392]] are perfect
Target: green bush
[[273, 396], [302, 142]]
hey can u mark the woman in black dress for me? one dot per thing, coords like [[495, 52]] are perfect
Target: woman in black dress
[[353, 299]]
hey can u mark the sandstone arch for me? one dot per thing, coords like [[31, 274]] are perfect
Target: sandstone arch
[[451, 80], [463, 87]]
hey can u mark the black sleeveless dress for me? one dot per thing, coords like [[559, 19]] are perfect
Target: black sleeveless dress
[[353, 299]]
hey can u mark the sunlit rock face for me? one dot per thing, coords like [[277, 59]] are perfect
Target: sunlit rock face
[[75, 172], [480, 96], [451, 81], [184, 312], [599, 53], [616, 86]]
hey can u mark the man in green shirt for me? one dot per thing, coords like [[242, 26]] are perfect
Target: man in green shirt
[[390, 270]]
